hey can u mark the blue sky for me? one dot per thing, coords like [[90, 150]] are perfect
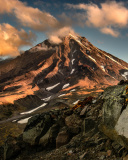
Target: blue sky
[[103, 23]]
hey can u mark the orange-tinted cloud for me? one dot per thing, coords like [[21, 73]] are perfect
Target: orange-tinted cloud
[[29, 16], [110, 14], [110, 31], [12, 39]]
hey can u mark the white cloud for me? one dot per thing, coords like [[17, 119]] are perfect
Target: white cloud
[[29, 16], [110, 31], [107, 17], [57, 36], [12, 39]]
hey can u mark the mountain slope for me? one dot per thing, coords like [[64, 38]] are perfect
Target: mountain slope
[[48, 68]]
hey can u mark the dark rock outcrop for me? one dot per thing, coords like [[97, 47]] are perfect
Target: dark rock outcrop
[[11, 148], [100, 132], [62, 138], [36, 128]]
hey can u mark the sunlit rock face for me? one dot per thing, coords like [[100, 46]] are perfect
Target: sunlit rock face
[[114, 122], [47, 69]]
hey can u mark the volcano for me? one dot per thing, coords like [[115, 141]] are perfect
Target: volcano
[[49, 71]]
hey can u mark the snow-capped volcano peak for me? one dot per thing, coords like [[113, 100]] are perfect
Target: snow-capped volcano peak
[[78, 40], [73, 63]]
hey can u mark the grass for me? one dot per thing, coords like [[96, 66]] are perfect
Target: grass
[[10, 128]]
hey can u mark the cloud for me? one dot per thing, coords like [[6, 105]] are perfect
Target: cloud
[[110, 31], [57, 36], [29, 16], [12, 39], [107, 17]]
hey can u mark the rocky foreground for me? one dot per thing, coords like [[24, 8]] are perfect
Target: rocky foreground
[[96, 130]]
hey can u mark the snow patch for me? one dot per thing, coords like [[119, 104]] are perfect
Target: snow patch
[[22, 121], [14, 120], [51, 87], [114, 61], [94, 101], [66, 85], [76, 102], [111, 58], [72, 61], [46, 99], [44, 104], [77, 40], [125, 75], [72, 71], [61, 95], [39, 81], [99, 55], [40, 47], [74, 51], [113, 78], [92, 58], [103, 68], [73, 90]]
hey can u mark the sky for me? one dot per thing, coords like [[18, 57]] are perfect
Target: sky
[[25, 23]]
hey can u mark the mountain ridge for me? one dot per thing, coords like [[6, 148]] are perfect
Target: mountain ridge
[[75, 61], [50, 76]]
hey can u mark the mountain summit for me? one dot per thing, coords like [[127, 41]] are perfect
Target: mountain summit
[[48, 69]]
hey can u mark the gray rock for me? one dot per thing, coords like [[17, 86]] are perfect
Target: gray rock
[[62, 138], [36, 128], [73, 123], [11, 148], [115, 120], [50, 136], [112, 105], [83, 156], [83, 111], [88, 125]]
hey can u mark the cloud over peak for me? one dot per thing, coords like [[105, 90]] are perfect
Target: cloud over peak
[[57, 36]]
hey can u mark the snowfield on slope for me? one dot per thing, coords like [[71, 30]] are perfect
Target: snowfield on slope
[[28, 112], [76, 102], [51, 87], [65, 86], [46, 99], [22, 121]]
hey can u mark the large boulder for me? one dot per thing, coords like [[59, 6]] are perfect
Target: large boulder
[[36, 128], [50, 136], [115, 115], [73, 122], [62, 138], [11, 148]]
